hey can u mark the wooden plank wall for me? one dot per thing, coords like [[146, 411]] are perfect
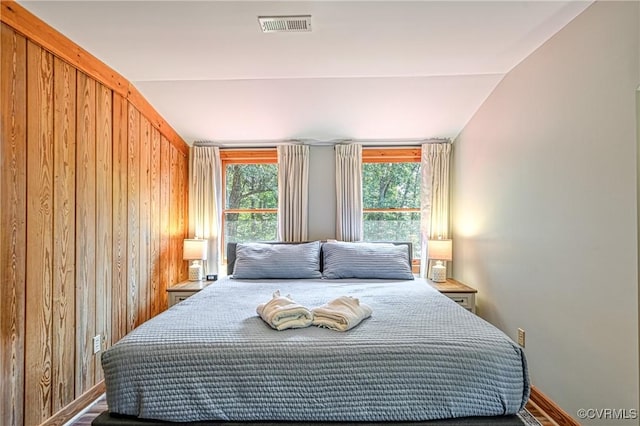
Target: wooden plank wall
[[93, 211]]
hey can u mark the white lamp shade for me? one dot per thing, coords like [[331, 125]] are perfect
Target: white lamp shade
[[440, 250], [194, 249]]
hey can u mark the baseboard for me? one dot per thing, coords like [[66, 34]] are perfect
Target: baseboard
[[551, 409], [67, 413]]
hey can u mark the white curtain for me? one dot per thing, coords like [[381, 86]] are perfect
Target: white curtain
[[349, 192], [434, 197], [205, 201], [293, 192]]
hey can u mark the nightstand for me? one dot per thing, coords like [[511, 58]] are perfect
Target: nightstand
[[184, 290], [462, 294]]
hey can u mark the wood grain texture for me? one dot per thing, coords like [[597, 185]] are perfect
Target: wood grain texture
[[35, 29], [183, 186], [175, 233], [239, 156], [145, 220], [13, 200], [133, 216], [391, 155], [155, 296], [64, 206], [120, 222], [165, 222], [69, 197], [67, 413], [39, 276], [540, 415], [551, 409], [85, 231], [104, 219], [145, 109]]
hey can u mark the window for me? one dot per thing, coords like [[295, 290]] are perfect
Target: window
[[391, 195], [250, 194]]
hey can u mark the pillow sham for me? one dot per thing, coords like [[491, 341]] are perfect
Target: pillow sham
[[260, 260], [366, 260]]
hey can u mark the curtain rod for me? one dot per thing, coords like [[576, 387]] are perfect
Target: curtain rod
[[250, 144], [317, 142], [393, 142]]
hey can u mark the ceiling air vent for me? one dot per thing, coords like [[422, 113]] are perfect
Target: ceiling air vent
[[285, 24]]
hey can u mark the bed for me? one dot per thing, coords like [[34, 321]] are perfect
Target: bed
[[419, 357]]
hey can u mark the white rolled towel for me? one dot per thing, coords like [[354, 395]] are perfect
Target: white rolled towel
[[341, 314], [281, 312]]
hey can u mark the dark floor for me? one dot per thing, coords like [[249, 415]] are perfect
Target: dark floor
[[101, 405]]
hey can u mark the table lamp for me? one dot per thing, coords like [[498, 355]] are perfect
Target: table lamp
[[195, 250], [439, 250]]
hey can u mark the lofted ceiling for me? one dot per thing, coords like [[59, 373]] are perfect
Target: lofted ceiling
[[385, 71]]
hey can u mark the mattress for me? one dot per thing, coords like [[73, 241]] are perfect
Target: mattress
[[419, 356]]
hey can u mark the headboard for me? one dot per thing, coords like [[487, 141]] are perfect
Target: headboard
[[231, 252]]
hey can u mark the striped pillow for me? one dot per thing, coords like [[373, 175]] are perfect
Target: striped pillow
[[259, 260], [366, 260]]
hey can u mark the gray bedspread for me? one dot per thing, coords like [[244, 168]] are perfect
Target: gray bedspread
[[419, 357]]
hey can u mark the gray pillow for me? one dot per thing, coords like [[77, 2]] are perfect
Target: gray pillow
[[260, 260], [366, 260]]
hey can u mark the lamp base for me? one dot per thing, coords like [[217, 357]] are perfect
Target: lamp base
[[195, 272], [439, 273]]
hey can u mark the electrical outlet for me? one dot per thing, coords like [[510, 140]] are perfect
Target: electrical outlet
[[521, 337], [97, 344]]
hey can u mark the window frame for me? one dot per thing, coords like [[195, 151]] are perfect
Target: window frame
[[242, 156], [393, 155]]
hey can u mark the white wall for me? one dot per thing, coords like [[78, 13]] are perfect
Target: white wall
[[545, 214], [322, 193], [638, 195]]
